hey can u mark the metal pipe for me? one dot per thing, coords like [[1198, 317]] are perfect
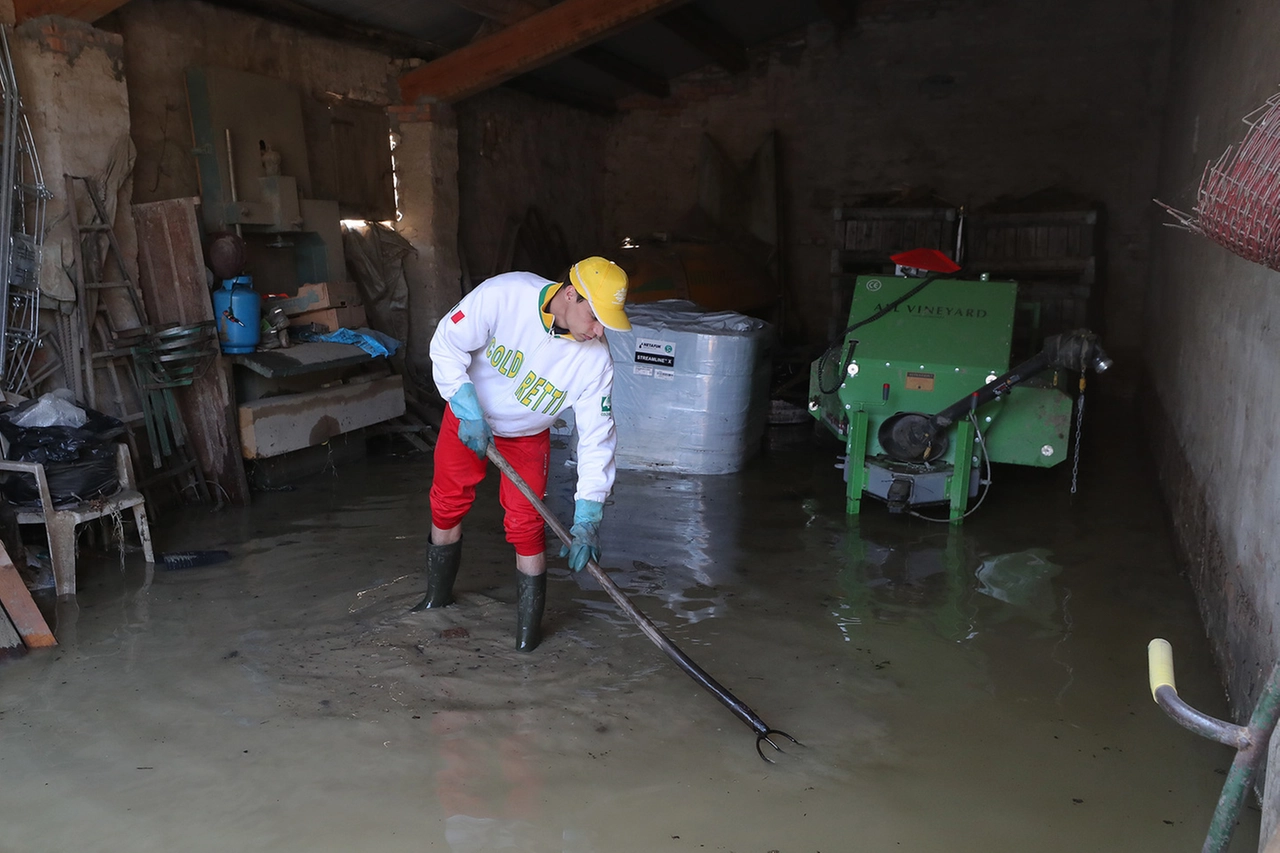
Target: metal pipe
[[1228, 734], [9, 84], [1240, 777], [19, 342], [231, 178], [1250, 741], [1070, 350]]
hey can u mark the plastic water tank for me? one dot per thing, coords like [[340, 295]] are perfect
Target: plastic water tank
[[690, 387]]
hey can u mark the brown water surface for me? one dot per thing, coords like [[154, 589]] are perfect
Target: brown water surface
[[973, 689]]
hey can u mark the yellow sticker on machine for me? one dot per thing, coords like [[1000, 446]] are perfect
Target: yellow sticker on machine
[[919, 381]]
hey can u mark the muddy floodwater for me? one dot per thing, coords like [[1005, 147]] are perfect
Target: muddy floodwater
[[980, 688]]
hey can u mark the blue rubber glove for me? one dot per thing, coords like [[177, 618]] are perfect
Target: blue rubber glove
[[586, 534], [473, 429]]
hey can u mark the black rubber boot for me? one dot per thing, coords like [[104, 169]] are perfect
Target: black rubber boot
[[442, 569], [531, 598]]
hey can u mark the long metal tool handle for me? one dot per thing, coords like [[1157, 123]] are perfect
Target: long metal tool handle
[[697, 673]]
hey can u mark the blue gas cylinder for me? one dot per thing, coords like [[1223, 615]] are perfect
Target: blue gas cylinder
[[237, 308]]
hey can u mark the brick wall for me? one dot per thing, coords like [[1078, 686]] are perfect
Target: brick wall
[[162, 39], [972, 100], [516, 152]]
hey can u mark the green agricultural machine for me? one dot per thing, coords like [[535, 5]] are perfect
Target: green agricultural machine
[[920, 390]]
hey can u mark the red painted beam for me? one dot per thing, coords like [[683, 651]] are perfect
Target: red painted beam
[[80, 10]]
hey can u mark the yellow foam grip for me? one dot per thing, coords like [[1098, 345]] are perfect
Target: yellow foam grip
[[1160, 665]]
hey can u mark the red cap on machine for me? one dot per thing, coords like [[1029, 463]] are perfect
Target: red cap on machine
[[925, 259]]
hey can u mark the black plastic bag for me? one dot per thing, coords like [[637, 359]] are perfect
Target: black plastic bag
[[79, 462]]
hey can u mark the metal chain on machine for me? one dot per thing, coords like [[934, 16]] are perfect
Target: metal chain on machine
[[1075, 461]]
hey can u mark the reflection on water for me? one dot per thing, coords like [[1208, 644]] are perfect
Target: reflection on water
[[1024, 581], [662, 538], [132, 606], [491, 790], [893, 581], [945, 582]]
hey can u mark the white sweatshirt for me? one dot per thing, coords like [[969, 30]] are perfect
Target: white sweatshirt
[[500, 339]]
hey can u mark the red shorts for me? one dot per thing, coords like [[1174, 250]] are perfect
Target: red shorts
[[458, 470]]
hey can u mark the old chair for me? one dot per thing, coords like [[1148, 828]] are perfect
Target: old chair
[[60, 522]]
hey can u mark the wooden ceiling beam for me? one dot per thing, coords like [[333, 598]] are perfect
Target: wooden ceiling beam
[[502, 11], [527, 44], [80, 10], [708, 37], [507, 12]]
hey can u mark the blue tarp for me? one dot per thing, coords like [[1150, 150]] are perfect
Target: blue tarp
[[374, 343]]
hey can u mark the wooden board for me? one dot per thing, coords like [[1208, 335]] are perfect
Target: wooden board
[[314, 297], [81, 10], [276, 425], [317, 296], [21, 607], [172, 275], [303, 358], [351, 317], [527, 44], [171, 262]]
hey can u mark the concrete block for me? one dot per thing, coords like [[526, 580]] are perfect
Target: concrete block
[[277, 425]]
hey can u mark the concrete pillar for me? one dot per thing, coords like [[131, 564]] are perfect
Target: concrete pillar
[[426, 157], [71, 78]]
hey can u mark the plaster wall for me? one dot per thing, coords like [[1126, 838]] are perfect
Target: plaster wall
[[71, 79], [164, 37], [1213, 348], [974, 100]]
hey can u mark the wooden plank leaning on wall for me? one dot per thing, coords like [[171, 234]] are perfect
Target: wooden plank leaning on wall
[[172, 272], [18, 608]]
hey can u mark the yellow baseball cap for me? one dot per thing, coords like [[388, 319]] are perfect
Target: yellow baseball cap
[[604, 284]]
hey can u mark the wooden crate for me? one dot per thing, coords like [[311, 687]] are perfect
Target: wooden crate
[[1053, 257], [869, 235], [865, 238], [1030, 246]]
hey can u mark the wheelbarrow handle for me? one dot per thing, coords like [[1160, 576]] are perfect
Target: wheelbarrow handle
[[1163, 690], [1250, 742], [1160, 666]]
